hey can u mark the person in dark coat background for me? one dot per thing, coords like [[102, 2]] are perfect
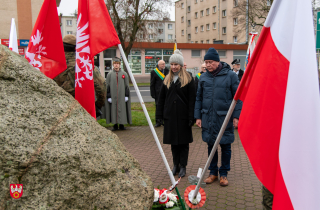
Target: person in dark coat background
[[216, 90], [236, 68], [176, 107], [196, 80], [156, 81]]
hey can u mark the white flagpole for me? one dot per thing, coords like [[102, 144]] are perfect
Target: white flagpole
[[147, 116], [215, 146]]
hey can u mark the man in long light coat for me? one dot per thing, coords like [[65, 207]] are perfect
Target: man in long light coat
[[118, 108]]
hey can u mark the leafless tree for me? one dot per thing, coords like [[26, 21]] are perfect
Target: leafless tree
[[132, 18], [255, 10]]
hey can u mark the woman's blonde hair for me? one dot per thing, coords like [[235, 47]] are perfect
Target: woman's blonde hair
[[184, 77]]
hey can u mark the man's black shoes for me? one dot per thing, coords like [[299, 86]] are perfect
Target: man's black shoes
[[115, 127], [157, 125], [122, 127], [182, 172], [159, 122], [175, 170]]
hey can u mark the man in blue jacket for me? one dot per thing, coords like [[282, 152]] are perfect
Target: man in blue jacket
[[215, 93]]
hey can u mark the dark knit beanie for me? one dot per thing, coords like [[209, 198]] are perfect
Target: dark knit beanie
[[212, 54]]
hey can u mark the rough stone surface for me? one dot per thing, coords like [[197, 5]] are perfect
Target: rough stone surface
[[61, 155]]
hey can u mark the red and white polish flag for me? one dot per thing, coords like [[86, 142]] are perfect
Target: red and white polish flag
[[279, 124], [13, 41], [45, 50], [95, 33]]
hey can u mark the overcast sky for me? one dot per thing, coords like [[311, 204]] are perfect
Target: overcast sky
[[67, 7]]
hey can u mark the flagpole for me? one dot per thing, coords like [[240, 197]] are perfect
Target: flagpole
[[223, 128], [147, 116]]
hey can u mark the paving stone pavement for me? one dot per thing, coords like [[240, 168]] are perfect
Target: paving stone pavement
[[243, 192]]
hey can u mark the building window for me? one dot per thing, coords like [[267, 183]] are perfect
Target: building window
[[224, 30], [202, 28], [196, 29], [201, 13], [235, 3], [189, 36], [195, 1], [189, 8], [170, 36], [160, 40], [208, 27], [207, 11], [141, 36], [150, 36], [214, 25], [201, 41], [134, 60], [69, 32], [235, 39], [195, 53], [214, 9], [150, 25], [152, 56], [222, 53], [182, 19], [182, 5], [69, 22], [160, 30], [208, 41], [170, 26], [224, 13], [189, 22], [182, 32], [196, 42], [235, 21], [195, 15]]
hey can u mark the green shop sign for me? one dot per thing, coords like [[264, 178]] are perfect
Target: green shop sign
[[153, 52]]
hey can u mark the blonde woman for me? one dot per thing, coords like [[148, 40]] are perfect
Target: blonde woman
[[176, 108]]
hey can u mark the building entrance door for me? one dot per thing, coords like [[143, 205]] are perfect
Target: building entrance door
[[107, 66]]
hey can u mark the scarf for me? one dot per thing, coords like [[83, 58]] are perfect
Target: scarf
[[215, 72]]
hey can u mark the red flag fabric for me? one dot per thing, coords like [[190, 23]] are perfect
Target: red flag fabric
[[45, 50], [95, 33], [280, 119]]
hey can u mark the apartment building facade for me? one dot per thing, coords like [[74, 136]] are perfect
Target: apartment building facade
[[207, 22], [158, 31], [68, 25]]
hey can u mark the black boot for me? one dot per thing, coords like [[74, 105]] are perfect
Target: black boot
[[175, 170], [182, 172], [159, 122], [115, 127], [122, 127]]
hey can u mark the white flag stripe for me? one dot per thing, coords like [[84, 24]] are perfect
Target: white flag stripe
[[13, 41], [299, 151]]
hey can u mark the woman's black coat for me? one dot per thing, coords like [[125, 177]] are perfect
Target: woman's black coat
[[176, 107]]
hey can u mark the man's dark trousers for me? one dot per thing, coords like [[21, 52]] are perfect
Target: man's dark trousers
[[225, 160]]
